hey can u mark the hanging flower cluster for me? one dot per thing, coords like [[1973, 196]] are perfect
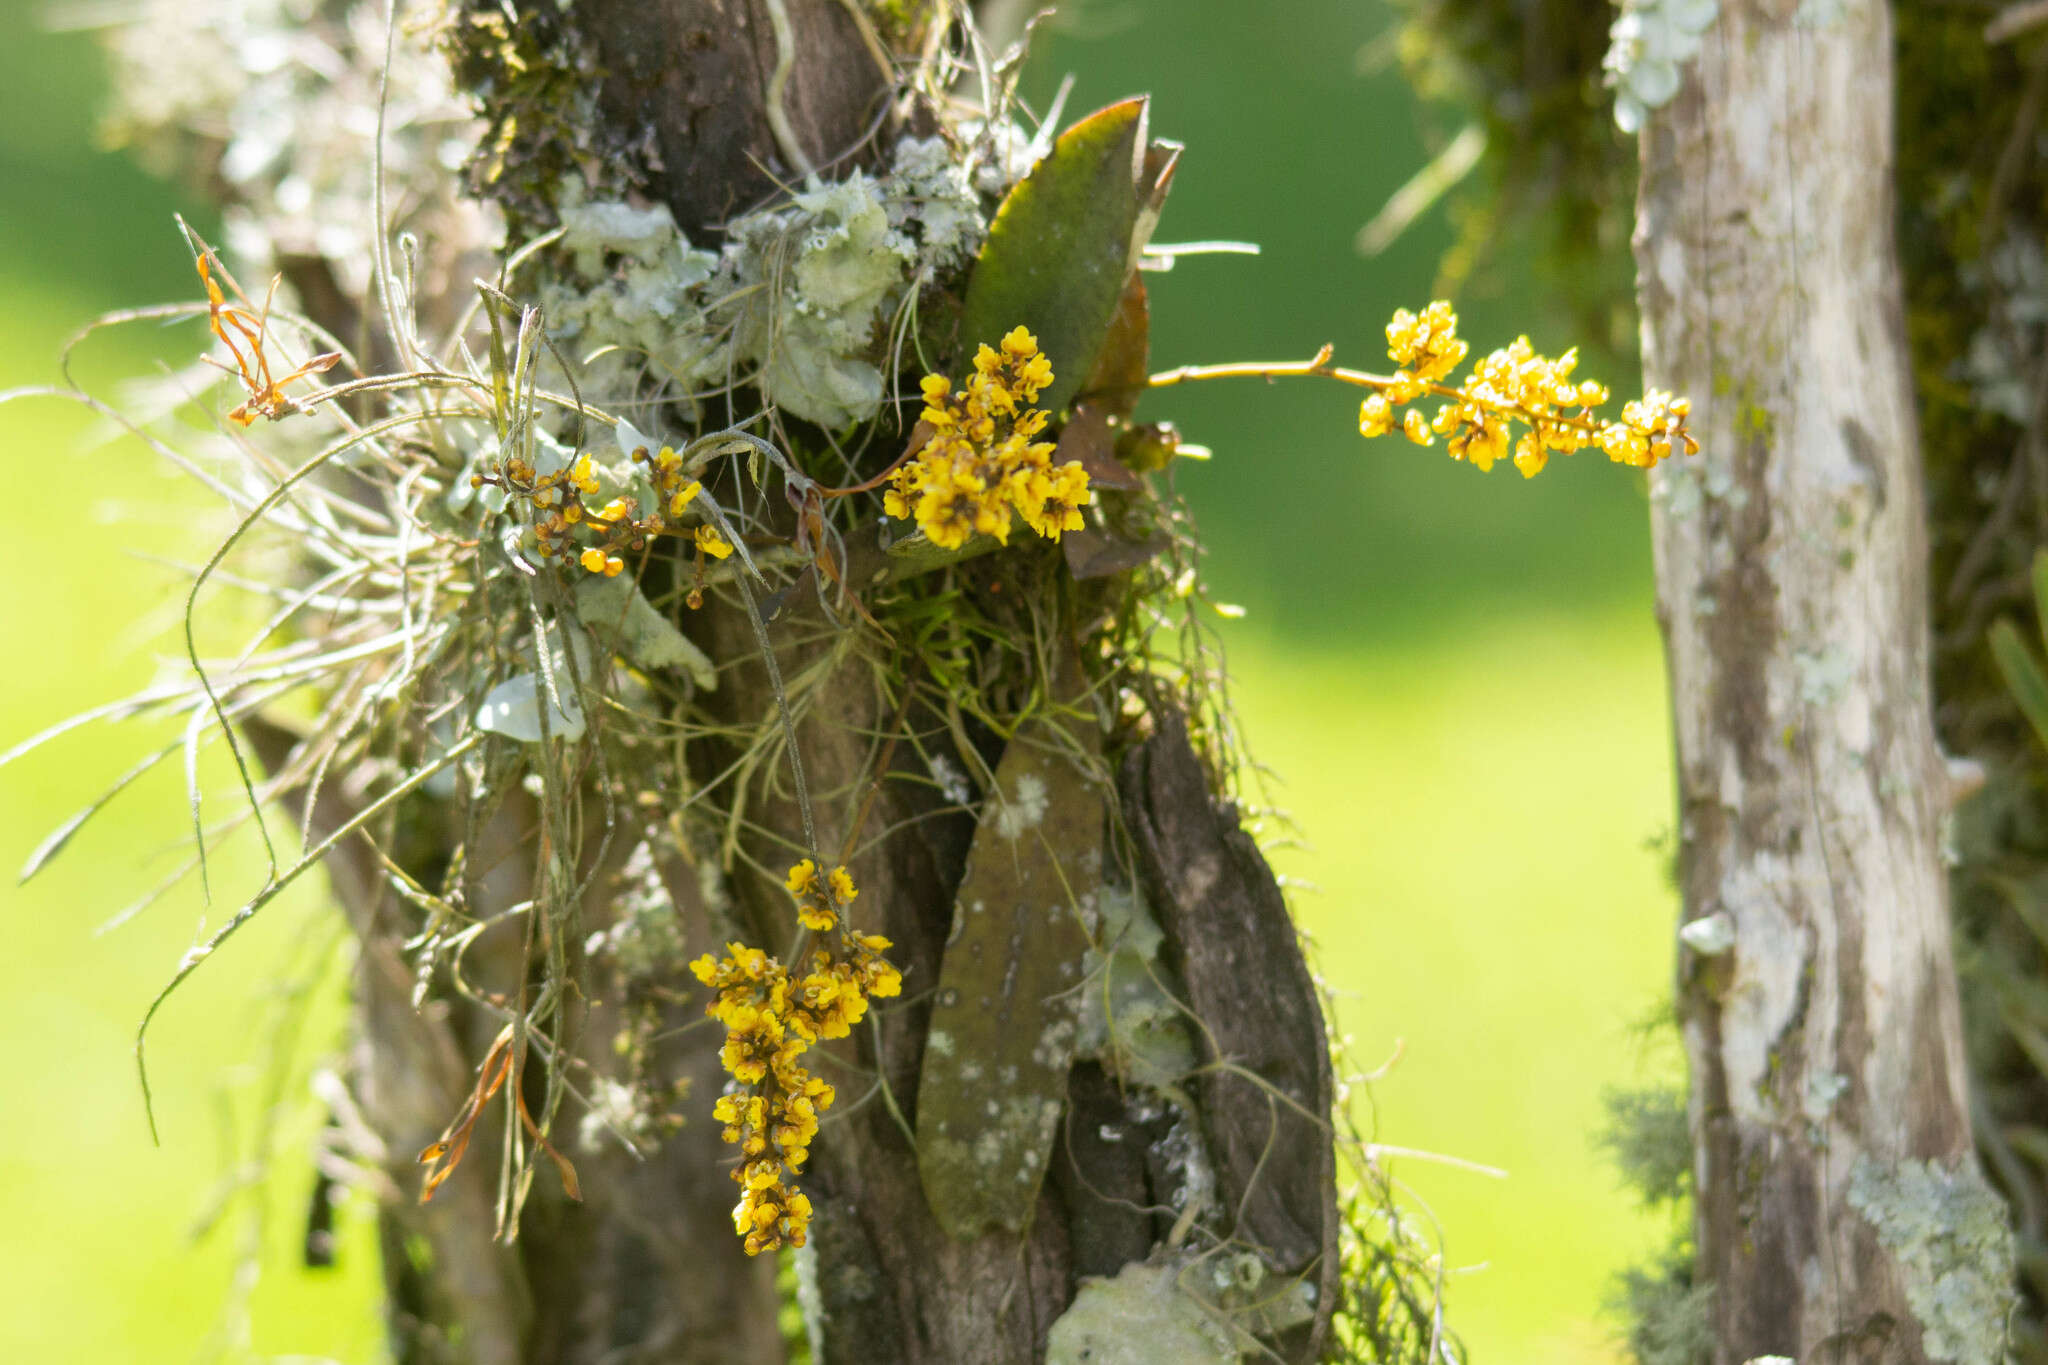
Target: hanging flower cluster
[[566, 523], [772, 1016], [981, 464], [1512, 385]]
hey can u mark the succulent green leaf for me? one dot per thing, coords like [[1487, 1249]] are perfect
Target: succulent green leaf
[[1061, 247], [1118, 379], [1005, 1020]]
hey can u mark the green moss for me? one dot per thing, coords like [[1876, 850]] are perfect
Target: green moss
[[897, 20], [535, 76], [801, 302]]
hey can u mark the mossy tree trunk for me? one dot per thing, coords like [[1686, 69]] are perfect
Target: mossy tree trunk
[[1840, 1215], [647, 1268]]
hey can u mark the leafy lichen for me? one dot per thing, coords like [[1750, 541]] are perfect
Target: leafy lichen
[[1129, 1018], [1949, 1235], [1178, 1311], [285, 91], [1649, 43], [800, 301], [1142, 1317]]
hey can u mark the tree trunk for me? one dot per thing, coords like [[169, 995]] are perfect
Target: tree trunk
[[1840, 1214], [674, 99]]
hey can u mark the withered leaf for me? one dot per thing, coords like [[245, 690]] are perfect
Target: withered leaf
[[1097, 554]]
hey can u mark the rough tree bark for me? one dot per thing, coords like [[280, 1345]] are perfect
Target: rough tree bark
[[1825, 1041], [648, 1268]]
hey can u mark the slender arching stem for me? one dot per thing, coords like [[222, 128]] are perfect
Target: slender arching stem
[[1319, 367]]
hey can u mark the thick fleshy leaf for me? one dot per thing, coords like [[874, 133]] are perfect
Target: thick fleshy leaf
[[1118, 379], [1061, 247], [1006, 1016]]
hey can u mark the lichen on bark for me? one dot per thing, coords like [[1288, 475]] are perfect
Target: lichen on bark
[[1952, 1238]]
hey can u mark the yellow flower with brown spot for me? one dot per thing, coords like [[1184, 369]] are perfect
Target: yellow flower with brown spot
[[771, 1020], [1375, 415], [1426, 343], [1510, 387], [981, 466]]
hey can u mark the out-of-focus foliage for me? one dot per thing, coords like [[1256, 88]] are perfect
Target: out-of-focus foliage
[[1662, 1309], [1665, 1311], [1556, 174], [1973, 196], [1646, 1135]]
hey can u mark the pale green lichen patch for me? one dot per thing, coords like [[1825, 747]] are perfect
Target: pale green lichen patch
[[799, 301], [646, 940], [1186, 1310], [1823, 1089], [627, 304], [1949, 1235], [621, 615], [812, 281], [1256, 1300], [1192, 1176], [1129, 1019], [1020, 809], [1142, 1317], [1824, 675]]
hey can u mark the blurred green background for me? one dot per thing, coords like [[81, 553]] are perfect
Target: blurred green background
[[1455, 678]]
